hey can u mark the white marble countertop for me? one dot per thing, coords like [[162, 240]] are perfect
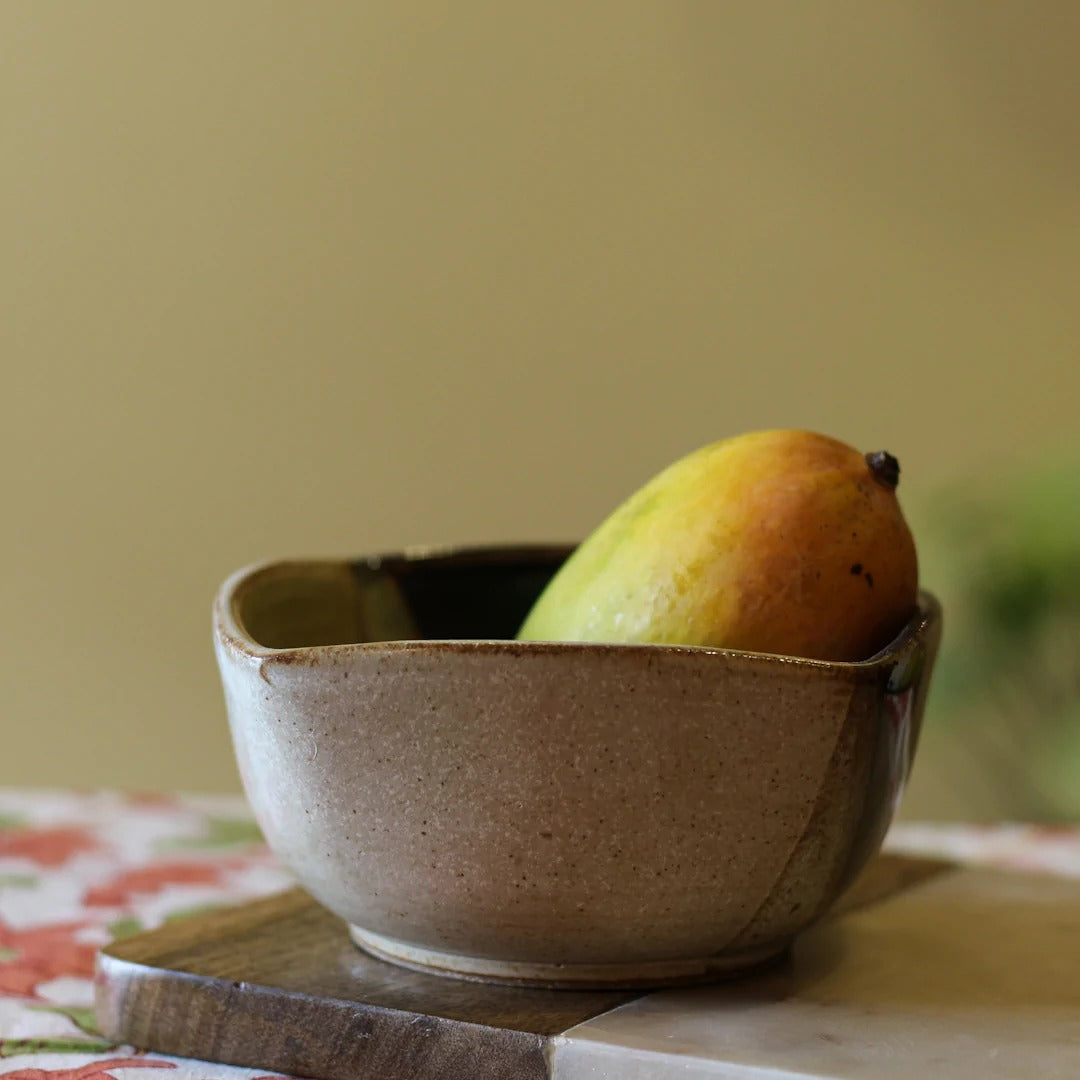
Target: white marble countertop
[[972, 973]]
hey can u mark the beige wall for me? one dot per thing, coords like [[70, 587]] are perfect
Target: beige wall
[[334, 277]]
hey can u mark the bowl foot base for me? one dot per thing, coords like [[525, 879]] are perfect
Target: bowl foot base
[[632, 975]]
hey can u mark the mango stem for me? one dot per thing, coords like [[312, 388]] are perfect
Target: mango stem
[[885, 467]]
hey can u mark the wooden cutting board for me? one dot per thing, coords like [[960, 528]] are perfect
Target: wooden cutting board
[[277, 985]]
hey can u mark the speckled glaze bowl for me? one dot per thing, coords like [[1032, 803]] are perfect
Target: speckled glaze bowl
[[551, 813]]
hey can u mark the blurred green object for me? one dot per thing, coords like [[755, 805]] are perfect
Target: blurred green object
[[1002, 552]]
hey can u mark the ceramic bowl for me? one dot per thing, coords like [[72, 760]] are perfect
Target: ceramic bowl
[[552, 813]]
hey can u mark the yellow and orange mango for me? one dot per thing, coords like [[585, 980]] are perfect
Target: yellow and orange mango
[[784, 542]]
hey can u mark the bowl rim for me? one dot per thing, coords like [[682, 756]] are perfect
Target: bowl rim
[[230, 631]]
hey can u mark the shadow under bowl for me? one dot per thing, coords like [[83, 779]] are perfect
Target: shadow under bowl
[[545, 813]]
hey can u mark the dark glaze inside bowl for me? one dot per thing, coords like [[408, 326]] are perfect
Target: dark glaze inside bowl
[[477, 594]]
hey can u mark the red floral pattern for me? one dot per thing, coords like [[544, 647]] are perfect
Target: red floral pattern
[[54, 912], [150, 880], [95, 1070], [42, 953], [47, 847]]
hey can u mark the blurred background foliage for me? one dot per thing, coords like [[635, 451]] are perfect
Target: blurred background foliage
[[1001, 548]]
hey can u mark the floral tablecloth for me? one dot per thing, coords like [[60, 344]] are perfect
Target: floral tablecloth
[[81, 869]]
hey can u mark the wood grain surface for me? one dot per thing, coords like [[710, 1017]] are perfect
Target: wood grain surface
[[277, 984]]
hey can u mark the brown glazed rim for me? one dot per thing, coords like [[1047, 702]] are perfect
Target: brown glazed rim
[[231, 631]]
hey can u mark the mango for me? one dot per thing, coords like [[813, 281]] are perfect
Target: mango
[[785, 542]]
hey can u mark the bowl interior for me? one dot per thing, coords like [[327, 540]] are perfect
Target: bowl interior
[[474, 594]]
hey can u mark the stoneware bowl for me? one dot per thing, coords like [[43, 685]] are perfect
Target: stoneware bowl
[[552, 813]]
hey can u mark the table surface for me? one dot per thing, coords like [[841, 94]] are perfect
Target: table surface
[[81, 869]]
